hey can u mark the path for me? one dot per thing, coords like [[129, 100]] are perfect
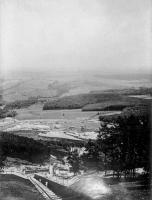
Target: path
[[47, 193]]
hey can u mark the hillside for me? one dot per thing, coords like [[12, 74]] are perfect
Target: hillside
[[88, 102], [15, 188]]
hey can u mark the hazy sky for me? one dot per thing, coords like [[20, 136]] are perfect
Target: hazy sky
[[106, 35]]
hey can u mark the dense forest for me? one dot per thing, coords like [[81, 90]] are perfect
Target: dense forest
[[122, 145], [22, 147], [123, 142]]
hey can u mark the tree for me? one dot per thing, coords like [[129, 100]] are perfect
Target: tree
[[127, 144], [124, 140], [3, 155], [92, 150], [74, 160]]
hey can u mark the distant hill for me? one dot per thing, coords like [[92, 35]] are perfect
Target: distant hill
[[129, 76], [127, 91], [22, 86]]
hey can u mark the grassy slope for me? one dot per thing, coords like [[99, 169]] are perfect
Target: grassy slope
[[15, 188]]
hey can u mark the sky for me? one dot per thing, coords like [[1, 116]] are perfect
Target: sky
[[101, 35]]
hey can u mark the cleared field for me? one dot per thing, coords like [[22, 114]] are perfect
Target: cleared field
[[15, 188], [36, 112]]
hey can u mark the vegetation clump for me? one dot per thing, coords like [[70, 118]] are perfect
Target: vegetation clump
[[5, 112]]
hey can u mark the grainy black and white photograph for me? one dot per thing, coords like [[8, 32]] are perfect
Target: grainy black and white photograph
[[75, 99]]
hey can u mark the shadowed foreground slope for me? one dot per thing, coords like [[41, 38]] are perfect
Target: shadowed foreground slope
[[15, 188]]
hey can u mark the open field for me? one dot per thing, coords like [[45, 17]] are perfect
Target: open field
[[36, 112], [15, 188]]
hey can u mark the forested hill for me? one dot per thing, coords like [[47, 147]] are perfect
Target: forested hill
[[107, 100], [140, 110]]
